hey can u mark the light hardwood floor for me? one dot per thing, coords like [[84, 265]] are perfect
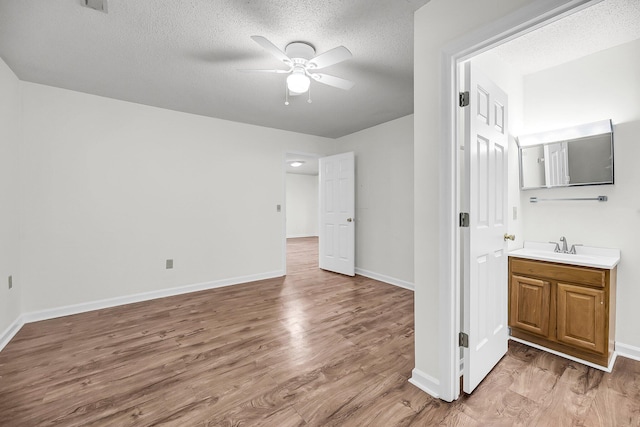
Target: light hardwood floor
[[314, 348]]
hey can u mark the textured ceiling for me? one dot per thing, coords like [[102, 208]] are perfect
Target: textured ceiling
[[184, 55], [602, 26]]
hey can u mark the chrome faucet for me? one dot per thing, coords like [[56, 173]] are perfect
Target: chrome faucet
[[565, 249], [573, 249]]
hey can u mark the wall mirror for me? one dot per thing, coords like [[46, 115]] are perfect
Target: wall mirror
[[580, 155]]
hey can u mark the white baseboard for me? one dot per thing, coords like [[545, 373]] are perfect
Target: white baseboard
[[51, 313], [297, 236], [628, 351], [10, 332], [385, 279], [425, 382], [567, 356]]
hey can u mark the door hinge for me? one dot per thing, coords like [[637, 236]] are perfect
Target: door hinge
[[464, 219], [463, 340], [463, 99]]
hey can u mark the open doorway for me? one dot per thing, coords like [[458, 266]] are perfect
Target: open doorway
[[301, 208], [453, 54], [533, 83]]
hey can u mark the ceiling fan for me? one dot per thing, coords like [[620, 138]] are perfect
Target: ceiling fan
[[300, 58]]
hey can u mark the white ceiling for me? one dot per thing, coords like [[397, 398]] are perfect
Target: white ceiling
[[184, 55], [599, 27], [309, 164]]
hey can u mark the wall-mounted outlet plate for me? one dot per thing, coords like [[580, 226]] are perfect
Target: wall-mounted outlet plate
[[169, 264]]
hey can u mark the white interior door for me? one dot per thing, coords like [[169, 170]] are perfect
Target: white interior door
[[485, 249], [557, 164], [337, 207]]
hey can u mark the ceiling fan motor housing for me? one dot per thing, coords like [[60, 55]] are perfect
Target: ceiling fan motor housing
[[300, 50]]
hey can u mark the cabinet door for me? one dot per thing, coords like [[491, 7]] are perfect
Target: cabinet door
[[581, 317], [530, 305]]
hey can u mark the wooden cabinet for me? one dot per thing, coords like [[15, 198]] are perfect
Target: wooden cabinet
[[581, 317], [530, 304], [566, 308]]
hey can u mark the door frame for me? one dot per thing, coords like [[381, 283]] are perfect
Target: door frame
[[522, 21], [283, 209]]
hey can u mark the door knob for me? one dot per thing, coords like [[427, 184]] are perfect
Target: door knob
[[349, 219], [509, 237]]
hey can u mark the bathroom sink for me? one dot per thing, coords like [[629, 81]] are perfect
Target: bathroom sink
[[586, 256]]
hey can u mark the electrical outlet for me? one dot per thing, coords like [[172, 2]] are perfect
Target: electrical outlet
[[10, 282], [278, 208], [169, 264]]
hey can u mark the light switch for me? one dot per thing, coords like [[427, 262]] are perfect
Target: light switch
[[169, 264]]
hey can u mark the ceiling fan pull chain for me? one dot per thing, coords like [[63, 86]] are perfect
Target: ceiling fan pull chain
[[286, 93], [309, 92]]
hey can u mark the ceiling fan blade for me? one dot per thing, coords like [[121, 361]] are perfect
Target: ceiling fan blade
[[333, 81], [272, 49], [330, 57], [266, 71]]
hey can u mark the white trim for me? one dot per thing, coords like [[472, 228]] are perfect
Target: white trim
[[68, 310], [11, 332], [567, 356], [298, 236], [425, 382], [386, 279], [523, 20], [628, 351]]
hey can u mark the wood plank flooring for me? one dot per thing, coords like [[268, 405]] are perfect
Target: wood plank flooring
[[313, 348]]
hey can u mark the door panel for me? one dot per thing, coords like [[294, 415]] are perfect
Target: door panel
[[485, 261], [558, 169], [337, 207], [581, 317], [530, 304]]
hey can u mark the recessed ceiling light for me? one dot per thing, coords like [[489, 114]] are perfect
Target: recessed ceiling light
[[296, 163]]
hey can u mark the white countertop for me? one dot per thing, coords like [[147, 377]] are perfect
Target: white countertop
[[586, 256]]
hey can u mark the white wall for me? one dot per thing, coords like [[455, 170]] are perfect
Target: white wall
[[436, 24], [604, 85], [302, 205], [112, 189], [384, 199], [9, 222], [109, 190]]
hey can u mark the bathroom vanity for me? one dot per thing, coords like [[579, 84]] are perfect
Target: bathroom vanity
[[565, 302]]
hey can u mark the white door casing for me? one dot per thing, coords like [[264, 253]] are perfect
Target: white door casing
[[337, 207], [485, 249]]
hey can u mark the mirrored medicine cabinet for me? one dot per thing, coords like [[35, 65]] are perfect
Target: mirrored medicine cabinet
[[580, 155]]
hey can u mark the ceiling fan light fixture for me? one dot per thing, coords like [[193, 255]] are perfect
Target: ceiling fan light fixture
[[298, 81]]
